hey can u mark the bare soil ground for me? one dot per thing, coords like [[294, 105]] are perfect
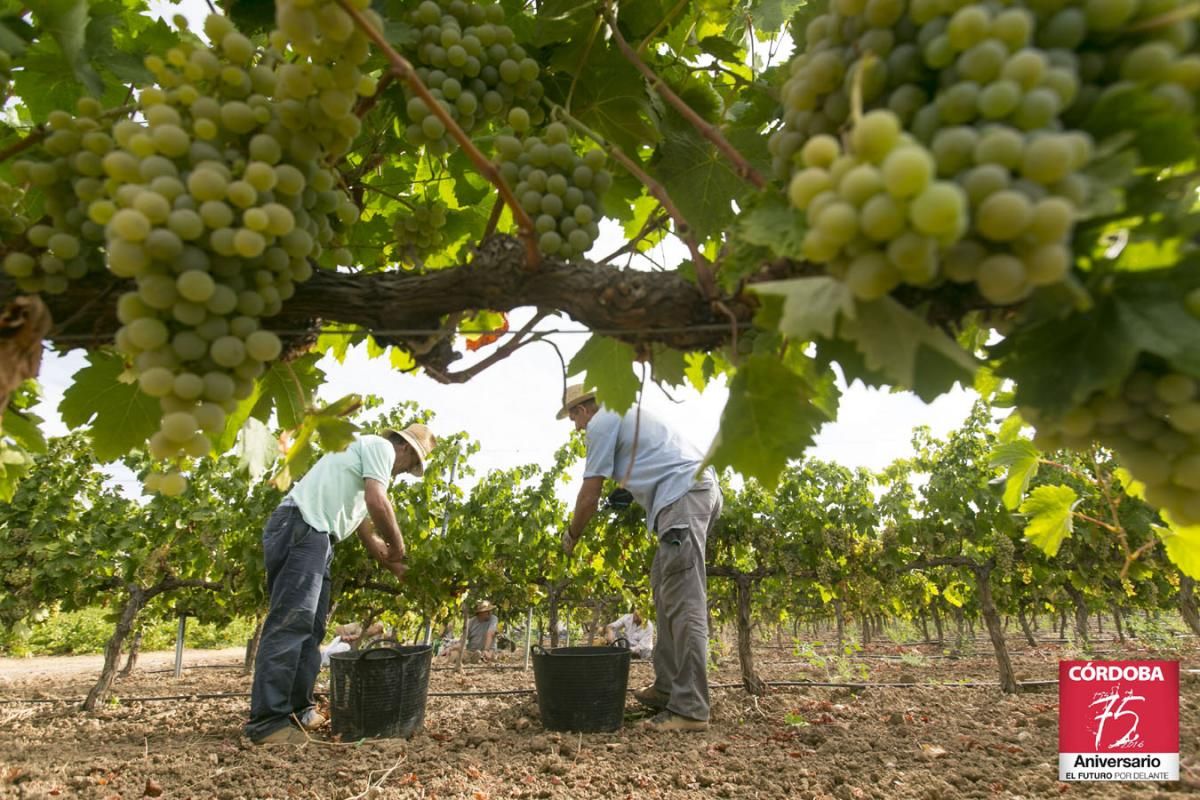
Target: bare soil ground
[[936, 740]]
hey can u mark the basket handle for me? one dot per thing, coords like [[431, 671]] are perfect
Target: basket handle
[[537, 650], [389, 642], [379, 646], [621, 642]]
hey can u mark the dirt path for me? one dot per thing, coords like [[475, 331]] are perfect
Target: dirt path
[[936, 741], [12, 669]]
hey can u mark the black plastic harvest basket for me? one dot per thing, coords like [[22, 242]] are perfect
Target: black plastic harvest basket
[[379, 690], [582, 688]]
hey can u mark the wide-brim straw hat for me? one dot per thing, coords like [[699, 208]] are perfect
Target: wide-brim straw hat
[[422, 441], [574, 395], [483, 606]]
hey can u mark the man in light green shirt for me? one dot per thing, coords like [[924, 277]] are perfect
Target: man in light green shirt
[[343, 493]]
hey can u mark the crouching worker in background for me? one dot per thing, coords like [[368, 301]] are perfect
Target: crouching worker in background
[[348, 637], [333, 500], [635, 630], [481, 636]]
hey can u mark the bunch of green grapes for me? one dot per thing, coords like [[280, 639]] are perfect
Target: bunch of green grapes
[[1152, 423], [419, 231], [987, 97], [1003, 550], [64, 245], [469, 59], [558, 188], [317, 94], [214, 202]]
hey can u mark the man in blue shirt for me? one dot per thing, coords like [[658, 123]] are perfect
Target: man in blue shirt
[[332, 501], [682, 502]]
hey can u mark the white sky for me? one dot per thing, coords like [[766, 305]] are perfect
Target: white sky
[[510, 408]]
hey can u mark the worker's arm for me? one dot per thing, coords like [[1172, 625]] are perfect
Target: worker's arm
[[586, 503], [379, 508]]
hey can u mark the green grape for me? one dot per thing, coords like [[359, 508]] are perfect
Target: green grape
[[1047, 159], [1052, 219], [1047, 264], [860, 184], [188, 386], [160, 447], [228, 351], [1004, 215], [999, 99], [882, 218], [819, 151], [171, 484], [156, 381], [178, 426], [907, 171], [914, 257], [871, 275], [983, 181], [189, 346], [1002, 279], [195, 286], [263, 346], [130, 225], [1002, 146], [147, 333], [876, 135], [939, 210], [217, 387], [210, 416]]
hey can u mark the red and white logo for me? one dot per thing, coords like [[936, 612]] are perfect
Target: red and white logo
[[1118, 720]]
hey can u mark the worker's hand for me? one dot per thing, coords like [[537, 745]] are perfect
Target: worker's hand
[[396, 554], [568, 543], [397, 568]]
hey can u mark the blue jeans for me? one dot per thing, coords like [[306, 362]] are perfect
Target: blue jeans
[[298, 557]]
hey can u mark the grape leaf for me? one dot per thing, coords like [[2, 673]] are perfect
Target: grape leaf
[[121, 416], [21, 426], [901, 345], [700, 181], [1152, 315], [66, 21], [669, 365], [607, 367], [256, 449], [810, 305], [613, 102], [769, 418], [288, 387], [1051, 519], [769, 15], [722, 48], [776, 226], [1021, 459], [1183, 547]]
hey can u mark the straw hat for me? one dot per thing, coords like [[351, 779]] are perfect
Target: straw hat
[[420, 438], [573, 397], [482, 606]]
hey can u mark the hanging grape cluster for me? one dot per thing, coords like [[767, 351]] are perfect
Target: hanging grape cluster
[[1153, 425], [558, 188], [472, 65], [215, 203], [969, 165], [420, 230]]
